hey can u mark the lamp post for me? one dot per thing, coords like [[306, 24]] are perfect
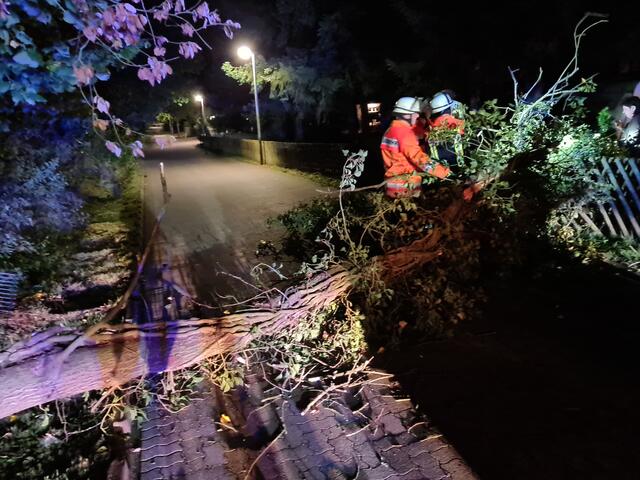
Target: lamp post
[[199, 98], [245, 53]]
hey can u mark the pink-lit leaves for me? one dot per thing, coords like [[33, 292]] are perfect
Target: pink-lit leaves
[[91, 32], [155, 72], [189, 49], [123, 25], [4, 11], [202, 11], [162, 13], [101, 124], [101, 104], [119, 26], [113, 148], [84, 74], [187, 29], [229, 26], [136, 149]]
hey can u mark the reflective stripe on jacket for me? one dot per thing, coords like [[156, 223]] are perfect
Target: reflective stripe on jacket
[[404, 186]]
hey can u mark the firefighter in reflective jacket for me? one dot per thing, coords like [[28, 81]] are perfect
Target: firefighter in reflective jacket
[[445, 130], [402, 155]]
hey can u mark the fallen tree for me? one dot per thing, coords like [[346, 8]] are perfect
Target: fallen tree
[[59, 363], [117, 354], [400, 261]]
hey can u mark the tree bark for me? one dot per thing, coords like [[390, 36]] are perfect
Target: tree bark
[[399, 262], [31, 374], [57, 363]]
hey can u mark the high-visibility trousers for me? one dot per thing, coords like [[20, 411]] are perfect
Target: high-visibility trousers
[[404, 186]]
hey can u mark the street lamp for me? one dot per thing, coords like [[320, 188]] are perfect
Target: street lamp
[[245, 53], [199, 98]]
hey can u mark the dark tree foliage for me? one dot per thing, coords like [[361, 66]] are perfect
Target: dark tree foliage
[[320, 59]]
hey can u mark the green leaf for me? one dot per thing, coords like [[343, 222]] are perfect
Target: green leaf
[[24, 38], [28, 58], [46, 420], [71, 18]]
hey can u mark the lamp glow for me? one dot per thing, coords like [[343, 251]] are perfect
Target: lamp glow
[[245, 53], [199, 98]]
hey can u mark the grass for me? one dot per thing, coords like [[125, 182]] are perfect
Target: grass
[[69, 277], [318, 178], [62, 440]]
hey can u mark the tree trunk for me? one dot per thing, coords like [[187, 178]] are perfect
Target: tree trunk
[[299, 127], [31, 373], [399, 262], [44, 368]]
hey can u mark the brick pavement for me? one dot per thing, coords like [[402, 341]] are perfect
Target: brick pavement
[[366, 435], [183, 445]]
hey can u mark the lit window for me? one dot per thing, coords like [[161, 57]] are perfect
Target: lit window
[[373, 107]]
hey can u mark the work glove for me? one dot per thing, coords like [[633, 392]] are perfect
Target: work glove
[[469, 192], [440, 171]]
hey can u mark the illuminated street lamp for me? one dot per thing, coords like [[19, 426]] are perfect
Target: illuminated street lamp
[[245, 53], [199, 98]]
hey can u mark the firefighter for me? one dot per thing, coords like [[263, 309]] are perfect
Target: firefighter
[[445, 130], [402, 155], [628, 129], [421, 127]]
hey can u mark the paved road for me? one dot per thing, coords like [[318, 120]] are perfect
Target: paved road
[[217, 214], [380, 437]]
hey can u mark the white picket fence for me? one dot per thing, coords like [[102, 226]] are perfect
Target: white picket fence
[[618, 215], [8, 290]]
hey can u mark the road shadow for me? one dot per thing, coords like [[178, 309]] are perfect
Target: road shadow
[[545, 387]]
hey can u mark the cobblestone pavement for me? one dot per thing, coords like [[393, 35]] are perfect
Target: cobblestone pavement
[[371, 435], [183, 445]]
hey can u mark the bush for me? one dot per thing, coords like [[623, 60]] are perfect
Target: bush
[[55, 178], [34, 198], [41, 444]]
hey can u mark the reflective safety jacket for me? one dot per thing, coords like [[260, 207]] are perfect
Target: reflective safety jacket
[[449, 122], [444, 123], [420, 129], [403, 157]]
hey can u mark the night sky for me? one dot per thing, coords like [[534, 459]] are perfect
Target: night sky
[[468, 49]]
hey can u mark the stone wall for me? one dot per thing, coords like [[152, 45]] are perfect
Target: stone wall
[[324, 158]]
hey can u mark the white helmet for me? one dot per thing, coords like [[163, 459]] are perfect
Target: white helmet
[[408, 105], [441, 101]]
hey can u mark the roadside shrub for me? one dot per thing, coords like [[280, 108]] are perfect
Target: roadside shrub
[[34, 198]]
